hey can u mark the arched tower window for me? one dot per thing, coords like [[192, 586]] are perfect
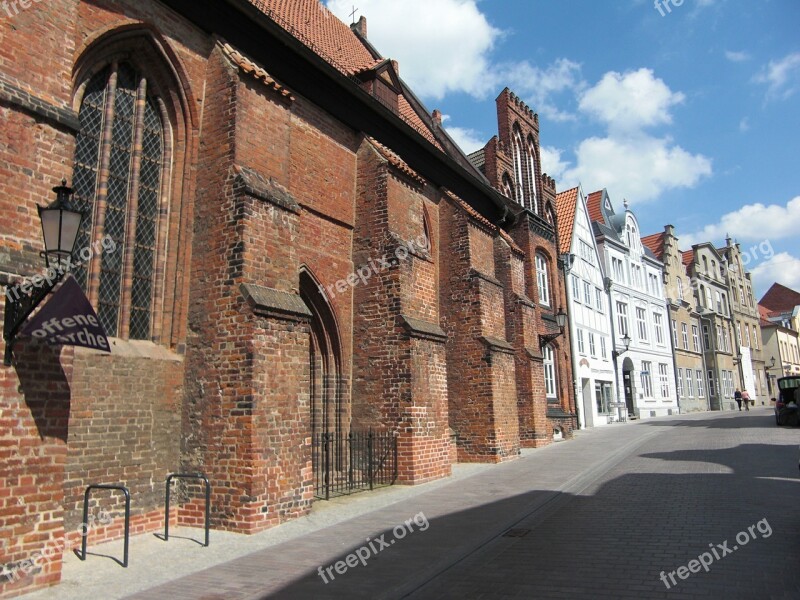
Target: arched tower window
[[117, 176], [508, 186], [532, 175], [519, 175]]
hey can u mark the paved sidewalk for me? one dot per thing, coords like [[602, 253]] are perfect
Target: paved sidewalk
[[464, 512]]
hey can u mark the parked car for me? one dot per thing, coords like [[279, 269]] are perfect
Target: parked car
[[786, 405]]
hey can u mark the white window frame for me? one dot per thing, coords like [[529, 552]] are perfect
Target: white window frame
[[646, 376], [550, 381], [622, 318], [542, 279], [663, 376], [658, 325], [641, 323]]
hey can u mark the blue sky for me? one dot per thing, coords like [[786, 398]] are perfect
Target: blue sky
[[692, 116]]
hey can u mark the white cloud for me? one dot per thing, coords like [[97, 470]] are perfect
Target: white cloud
[[537, 85], [552, 163], [752, 223], [782, 268], [735, 56], [632, 163], [637, 168], [450, 51], [469, 140], [782, 77], [630, 101], [744, 125], [447, 51]]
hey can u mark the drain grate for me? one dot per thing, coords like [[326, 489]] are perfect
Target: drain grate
[[516, 533]]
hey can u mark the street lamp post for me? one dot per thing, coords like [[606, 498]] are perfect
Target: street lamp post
[[769, 375], [60, 225]]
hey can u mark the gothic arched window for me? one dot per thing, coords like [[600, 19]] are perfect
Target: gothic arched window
[[508, 186], [119, 159], [532, 174], [518, 168]]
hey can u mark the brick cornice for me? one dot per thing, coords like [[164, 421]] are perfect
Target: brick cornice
[[269, 302], [475, 274], [497, 345], [12, 94], [251, 183], [417, 328]]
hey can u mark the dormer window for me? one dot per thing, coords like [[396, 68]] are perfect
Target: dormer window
[[383, 83]]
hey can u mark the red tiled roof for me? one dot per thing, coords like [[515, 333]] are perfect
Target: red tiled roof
[[780, 298], [408, 114], [254, 70], [763, 311], [687, 257], [566, 203], [483, 222], [655, 243], [593, 204], [397, 162], [318, 28]]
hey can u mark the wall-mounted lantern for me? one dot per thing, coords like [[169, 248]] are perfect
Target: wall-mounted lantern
[[60, 225]]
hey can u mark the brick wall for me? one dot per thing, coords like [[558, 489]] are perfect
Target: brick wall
[[399, 380], [482, 407]]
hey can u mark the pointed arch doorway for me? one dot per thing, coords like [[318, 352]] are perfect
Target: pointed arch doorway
[[325, 368], [329, 419]]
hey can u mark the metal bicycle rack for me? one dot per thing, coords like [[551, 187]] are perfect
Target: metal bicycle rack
[[85, 527], [200, 476]]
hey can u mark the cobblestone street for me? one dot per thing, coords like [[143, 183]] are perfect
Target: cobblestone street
[[698, 484]]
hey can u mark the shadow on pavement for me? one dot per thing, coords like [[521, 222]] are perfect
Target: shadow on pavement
[[644, 516]]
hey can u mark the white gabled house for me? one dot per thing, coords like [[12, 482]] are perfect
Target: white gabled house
[[589, 317], [646, 369]]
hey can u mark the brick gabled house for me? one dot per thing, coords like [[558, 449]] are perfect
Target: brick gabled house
[[511, 162], [301, 252]]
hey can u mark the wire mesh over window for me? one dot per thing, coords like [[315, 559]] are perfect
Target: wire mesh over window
[[107, 172], [87, 157], [146, 222]]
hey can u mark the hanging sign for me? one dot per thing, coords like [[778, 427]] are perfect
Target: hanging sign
[[68, 319]]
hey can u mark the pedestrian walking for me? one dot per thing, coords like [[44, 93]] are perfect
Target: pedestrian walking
[[746, 400], [737, 395]]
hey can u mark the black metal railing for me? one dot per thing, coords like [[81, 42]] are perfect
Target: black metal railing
[[85, 524], [352, 462], [204, 479]]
